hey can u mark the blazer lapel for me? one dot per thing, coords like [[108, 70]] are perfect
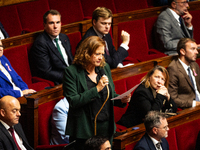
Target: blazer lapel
[[176, 23], [182, 70], [53, 48], [66, 46], [82, 78], [3, 129], [150, 142], [9, 71]]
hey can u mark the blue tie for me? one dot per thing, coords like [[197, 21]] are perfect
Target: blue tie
[[182, 26], [190, 76]]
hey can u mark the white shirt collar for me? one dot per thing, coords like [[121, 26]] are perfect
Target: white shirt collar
[[154, 140], [5, 124], [52, 38], [176, 16], [184, 66]]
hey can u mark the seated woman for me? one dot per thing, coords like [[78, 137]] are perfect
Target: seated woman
[[151, 94], [10, 82], [87, 85]]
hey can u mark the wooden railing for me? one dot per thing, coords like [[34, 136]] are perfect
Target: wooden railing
[[130, 136]]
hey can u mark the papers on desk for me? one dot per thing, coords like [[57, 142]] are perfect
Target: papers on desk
[[126, 93]]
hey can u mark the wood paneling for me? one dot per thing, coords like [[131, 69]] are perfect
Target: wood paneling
[[10, 2]]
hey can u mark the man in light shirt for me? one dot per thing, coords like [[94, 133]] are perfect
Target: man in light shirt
[[156, 131], [173, 24], [101, 21], [51, 51], [3, 33], [184, 75], [12, 135], [10, 82]]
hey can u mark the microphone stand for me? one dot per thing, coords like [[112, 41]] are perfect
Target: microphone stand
[[95, 120]]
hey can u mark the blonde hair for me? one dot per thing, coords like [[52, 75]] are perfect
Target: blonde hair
[[146, 81], [101, 12], [86, 49]]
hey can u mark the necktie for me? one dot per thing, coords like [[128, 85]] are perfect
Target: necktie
[[57, 45], [190, 76], [107, 52], [158, 146], [13, 135], [182, 26]]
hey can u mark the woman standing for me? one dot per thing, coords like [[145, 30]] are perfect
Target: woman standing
[[86, 85]]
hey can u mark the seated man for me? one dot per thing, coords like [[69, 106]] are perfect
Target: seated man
[[173, 24], [184, 75], [3, 33], [51, 51], [156, 131], [12, 135], [58, 123], [10, 82], [101, 21], [97, 143]]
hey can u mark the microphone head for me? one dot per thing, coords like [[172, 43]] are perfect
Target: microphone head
[[102, 72]]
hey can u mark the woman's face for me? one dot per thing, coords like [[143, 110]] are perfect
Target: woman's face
[[97, 57], [1, 49], [157, 79]]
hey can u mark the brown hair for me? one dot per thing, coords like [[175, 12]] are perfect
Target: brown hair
[[145, 79], [182, 44], [52, 12], [86, 49], [101, 12]]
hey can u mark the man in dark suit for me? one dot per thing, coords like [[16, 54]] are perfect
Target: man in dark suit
[[184, 75], [3, 33], [101, 21], [173, 24], [10, 82], [51, 51], [156, 131], [12, 135]]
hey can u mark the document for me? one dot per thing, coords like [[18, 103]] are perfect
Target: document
[[126, 93]]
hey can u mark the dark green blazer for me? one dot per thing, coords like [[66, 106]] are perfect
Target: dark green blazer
[[79, 123]]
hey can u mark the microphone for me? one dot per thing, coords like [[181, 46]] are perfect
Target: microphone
[[102, 73]]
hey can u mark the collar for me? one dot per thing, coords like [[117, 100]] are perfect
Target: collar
[[52, 38], [99, 34], [5, 124], [176, 16], [96, 70], [154, 140], [184, 66]]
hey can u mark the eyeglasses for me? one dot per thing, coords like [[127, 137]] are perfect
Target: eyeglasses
[[2, 46], [165, 127], [185, 2]]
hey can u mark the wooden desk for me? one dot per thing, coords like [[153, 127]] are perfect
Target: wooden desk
[[132, 136]]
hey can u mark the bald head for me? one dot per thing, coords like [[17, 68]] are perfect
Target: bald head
[[10, 110]]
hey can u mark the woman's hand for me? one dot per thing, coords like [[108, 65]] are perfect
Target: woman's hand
[[126, 99], [102, 83], [163, 91]]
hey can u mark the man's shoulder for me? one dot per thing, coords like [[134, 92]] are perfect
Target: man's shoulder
[[173, 64], [142, 143], [73, 68], [62, 35], [90, 32], [41, 38], [166, 15]]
